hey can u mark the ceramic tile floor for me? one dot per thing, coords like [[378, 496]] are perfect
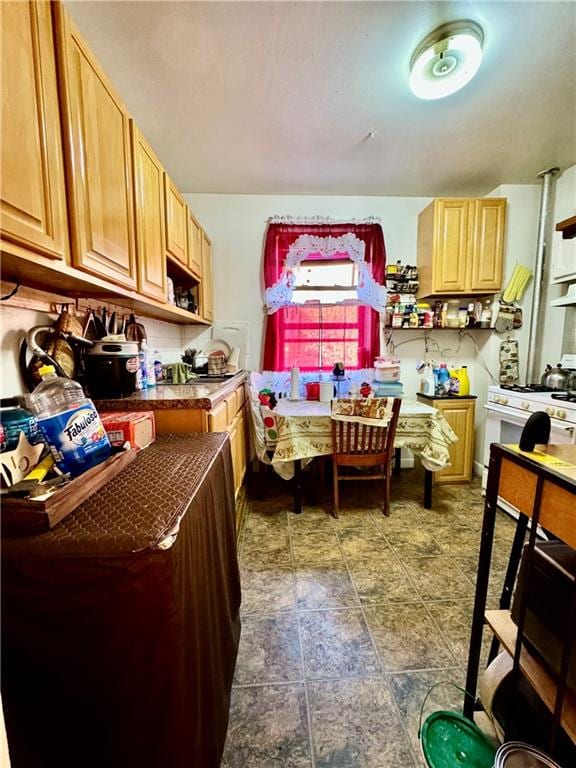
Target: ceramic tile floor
[[347, 623]]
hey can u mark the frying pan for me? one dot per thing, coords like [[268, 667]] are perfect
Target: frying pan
[[34, 343]]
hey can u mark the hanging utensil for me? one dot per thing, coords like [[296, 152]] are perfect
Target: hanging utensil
[[135, 331], [89, 328], [112, 325], [99, 326]]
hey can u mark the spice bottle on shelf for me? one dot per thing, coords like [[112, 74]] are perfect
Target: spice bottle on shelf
[[486, 317]]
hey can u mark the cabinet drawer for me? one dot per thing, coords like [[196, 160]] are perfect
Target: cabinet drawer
[[240, 397], [231, 406], [218, 418]]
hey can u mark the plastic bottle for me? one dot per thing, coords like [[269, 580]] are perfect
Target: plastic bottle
[[464, 381], [429, 381], [486, 317], [15, 419], [69, 422], [141, 372], [150, 375], [158, 371], [443, 379]]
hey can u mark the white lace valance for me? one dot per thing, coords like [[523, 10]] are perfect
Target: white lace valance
[[299, 220], [368, 291]]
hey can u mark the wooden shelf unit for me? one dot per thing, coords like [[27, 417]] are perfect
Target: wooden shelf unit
[[500, 622], [542, 486]]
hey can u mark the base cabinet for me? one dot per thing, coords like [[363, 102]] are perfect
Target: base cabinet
[[459, 413], [229, 415]]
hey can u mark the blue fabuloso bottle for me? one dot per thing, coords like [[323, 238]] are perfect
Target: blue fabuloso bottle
[[69, 422]]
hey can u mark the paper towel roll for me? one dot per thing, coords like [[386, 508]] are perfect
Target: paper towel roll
[[326, 391], [294, 383]]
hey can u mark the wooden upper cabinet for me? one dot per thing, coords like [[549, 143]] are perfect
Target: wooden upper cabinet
[[176, 222], [206, 285], [150, 221], [489, 217], [451, 235], [194, 246], [32, 198], [461, 246], [99, 166]]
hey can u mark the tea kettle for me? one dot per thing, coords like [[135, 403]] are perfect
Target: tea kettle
[[557, 378]]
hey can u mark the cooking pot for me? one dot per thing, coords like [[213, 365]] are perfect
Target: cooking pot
[[111, 368], [558, 378]]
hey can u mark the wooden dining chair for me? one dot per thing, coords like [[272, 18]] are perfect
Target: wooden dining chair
[[359, 444]]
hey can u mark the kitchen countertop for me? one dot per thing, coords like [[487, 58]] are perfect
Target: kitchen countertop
[[447, 397], [203, 395]]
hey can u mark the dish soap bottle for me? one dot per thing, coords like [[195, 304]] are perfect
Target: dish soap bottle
[[464, 389], [69, 422]]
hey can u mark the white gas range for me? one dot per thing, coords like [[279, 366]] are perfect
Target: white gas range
[[509, 408]]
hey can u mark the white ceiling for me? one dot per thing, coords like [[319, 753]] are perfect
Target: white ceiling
[[279, 97]]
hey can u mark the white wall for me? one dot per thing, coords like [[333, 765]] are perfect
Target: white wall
[[559, 331], [237, 224], [14, 323]]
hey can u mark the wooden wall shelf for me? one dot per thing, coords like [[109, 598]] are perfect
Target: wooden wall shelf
[[567, 227]]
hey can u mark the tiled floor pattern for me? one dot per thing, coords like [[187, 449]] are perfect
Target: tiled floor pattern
[[347, 623]]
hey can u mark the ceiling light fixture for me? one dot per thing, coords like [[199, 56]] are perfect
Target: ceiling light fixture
[[446, 60]]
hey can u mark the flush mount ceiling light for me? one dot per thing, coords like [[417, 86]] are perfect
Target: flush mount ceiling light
[[446, 60]]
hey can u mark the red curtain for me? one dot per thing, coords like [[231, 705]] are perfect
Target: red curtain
[[348, 333]]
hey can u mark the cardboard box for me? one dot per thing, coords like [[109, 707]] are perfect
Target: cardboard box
[[136, 427]]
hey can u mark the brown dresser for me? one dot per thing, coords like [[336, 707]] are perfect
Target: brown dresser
[[121, 625]]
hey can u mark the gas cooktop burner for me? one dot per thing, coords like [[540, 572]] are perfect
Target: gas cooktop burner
[[566, 397], [527, 388]]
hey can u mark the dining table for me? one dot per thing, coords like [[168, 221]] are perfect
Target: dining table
[[304, 432]]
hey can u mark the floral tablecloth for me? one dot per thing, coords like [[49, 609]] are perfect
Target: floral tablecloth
[[304, 431]]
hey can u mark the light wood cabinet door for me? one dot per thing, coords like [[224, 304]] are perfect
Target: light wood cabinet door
[[176, 222], [238, 449], [98, 161], [460, 415], [207, 289], [451, 238], [487, 245], [33, 197], [218, 418], [461, 246], [194, 246], [150, 221]]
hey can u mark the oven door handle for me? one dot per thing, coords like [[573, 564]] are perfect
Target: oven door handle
[[524, 416]]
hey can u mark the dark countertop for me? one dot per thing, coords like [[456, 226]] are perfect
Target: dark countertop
[[446, 397], [203, 395], [136, 511]]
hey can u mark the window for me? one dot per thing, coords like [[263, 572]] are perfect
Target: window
[[316, 320], [325, 323]]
